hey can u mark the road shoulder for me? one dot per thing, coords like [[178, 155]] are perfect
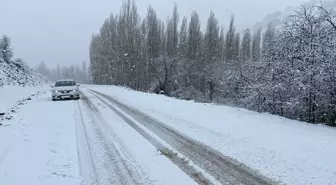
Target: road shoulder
[[41, 146]]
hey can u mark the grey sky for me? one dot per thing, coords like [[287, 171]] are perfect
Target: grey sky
[[59, 31]]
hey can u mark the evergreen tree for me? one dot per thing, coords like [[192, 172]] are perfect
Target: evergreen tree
[[6, 52]]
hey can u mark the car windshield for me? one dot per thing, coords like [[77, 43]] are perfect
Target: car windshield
[[65, 83]]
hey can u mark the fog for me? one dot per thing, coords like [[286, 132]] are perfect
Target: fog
[[59, 32]]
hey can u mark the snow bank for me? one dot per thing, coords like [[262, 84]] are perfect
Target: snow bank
[[9, 95], [286, 150]]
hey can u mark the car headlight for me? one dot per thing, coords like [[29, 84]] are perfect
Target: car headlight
[[74, 90]]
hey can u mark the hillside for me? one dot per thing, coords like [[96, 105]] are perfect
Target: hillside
[[17, 81], [13, 71], [18, 74]]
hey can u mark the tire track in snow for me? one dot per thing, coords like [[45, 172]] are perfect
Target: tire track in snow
[[4, 155], [85, 150], [173, 156], [111, 166], [223, 168]]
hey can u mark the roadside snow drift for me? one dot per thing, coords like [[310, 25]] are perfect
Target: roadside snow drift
[[10, 95], [286, 150]]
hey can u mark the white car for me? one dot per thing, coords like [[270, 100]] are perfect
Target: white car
[[65, 89]]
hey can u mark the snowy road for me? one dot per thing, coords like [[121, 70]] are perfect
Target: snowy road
[[224, 169], [288, 151], [78, 143], [115, 154], [103, 139]]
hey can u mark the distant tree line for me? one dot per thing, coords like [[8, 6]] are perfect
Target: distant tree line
[[80, 73], [289, 70]]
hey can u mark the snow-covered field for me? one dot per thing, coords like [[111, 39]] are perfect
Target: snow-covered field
[[286, 150]]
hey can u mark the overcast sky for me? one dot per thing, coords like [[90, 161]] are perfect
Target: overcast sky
[[59, 31]]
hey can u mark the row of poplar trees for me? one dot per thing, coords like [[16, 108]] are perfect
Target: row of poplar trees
[[288, 70]]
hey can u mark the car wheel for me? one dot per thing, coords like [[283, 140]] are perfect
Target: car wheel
[[53, 99]]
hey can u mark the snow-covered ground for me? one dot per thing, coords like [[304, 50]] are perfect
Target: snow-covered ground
[[286, 150], [146, 164], [18, 82], [10, 95], [38, 146], [88, 142], [76, 143]]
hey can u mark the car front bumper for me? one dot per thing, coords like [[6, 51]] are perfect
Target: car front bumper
[[65, 94]]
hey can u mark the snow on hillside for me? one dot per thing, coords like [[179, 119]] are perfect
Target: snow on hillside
[[290, 151], [16, 83], [11, 74]]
